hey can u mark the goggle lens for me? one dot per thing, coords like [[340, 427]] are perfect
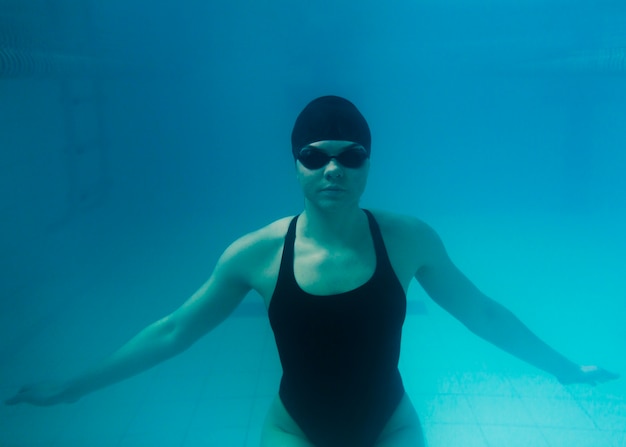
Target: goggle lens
[[312, 158]]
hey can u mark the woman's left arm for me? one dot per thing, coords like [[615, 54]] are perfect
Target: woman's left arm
[[454, 292]]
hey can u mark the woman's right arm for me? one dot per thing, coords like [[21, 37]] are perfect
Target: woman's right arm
[[204, 310]]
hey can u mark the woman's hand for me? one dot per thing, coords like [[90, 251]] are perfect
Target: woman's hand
[[42, 394], [589, 374]]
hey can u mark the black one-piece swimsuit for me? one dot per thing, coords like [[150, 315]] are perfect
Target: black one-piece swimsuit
[[340, 352]]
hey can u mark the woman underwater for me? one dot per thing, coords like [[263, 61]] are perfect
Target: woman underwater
[[334, 279]]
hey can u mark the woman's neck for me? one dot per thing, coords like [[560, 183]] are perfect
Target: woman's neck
[[337, 226]]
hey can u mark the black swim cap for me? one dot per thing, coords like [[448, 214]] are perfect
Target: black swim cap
[[330, 118]]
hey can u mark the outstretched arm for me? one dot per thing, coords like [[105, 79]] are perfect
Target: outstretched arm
[[451, 289], [163, 339]]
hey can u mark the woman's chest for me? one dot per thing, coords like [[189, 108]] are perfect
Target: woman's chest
[[322, 271]]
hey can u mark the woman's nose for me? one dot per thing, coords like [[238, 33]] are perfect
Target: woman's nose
[[333, 169]]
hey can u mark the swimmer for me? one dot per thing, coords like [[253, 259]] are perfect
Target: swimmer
[[334, 280]]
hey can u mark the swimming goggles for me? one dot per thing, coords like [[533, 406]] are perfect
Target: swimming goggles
[[312, 158]]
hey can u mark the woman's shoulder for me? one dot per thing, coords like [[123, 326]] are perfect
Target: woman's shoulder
[[408, 232], [406, 239], [273, 231], [262, 240]]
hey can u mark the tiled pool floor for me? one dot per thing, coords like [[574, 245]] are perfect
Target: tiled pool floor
[[216, 394]]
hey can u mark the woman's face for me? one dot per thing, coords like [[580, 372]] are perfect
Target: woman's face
[[334, 184]]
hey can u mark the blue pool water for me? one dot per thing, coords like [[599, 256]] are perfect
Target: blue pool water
[[137, 142]]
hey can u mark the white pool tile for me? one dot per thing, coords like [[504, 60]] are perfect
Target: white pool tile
[[449, 409], [222, 413], [538, 386], [490, 410], [606, 413], [448, 435], [558, 413], [233, 385], [503, 435], [584, 438]]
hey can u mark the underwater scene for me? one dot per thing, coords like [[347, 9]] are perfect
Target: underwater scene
[[157, 289]]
